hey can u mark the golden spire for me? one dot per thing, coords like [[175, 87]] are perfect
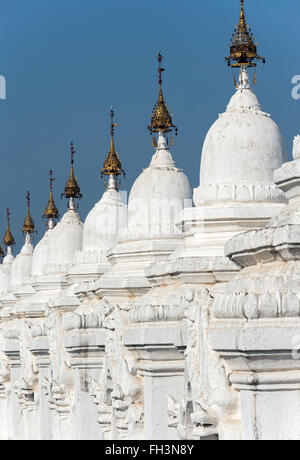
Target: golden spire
[[72, 189], [112, 165], [8, 239], [1, 252], [161, 118], [243, 50], [28, 226], [51, 211]]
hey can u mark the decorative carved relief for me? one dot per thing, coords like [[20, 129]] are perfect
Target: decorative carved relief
[[209, 402], [119, 393], [25, 387], [60, 390], [4, 376], [238, 193], [153, 313], [39, 330], [254, 306], [101, 396], [158, 307]]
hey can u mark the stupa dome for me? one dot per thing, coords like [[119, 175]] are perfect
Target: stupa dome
[[104, 221], [65, 239], [21, 265], [244, 146], [39, 258], [5, 269], [159, 194]]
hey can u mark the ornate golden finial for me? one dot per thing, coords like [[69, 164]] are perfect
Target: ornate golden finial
[[243, 50], [51, 211], [8, 240], [72, 189], [161, 118], [112, 165], [1, 252], [254, 79], [235, 82], [28, 227]]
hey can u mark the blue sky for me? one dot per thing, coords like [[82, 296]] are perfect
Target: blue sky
[[67, 61]]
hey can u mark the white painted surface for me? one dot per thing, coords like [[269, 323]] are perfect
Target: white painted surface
[[154, 330], [244, 145], [64, 240], [158, 196]]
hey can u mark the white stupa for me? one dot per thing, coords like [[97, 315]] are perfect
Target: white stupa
[[21, 265], [168, 329], [158, 196], [5, 267], [40, 252], [241, 151], [39, 258], [103, 223], [162, 191], [54, 254], [156, 201], [66, 238]]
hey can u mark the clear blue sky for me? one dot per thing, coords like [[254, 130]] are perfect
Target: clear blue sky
[[67, 61]]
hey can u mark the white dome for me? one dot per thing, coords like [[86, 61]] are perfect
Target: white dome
[[5, 269], [159, 195], [104, 221], [21, 265], [64, 241], [3, 280], [39, 258], [244, 145]]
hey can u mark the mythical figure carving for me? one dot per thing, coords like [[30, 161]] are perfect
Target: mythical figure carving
[[209, 403], [25, 387], [119, 393], [4, 376], [60, 389]]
